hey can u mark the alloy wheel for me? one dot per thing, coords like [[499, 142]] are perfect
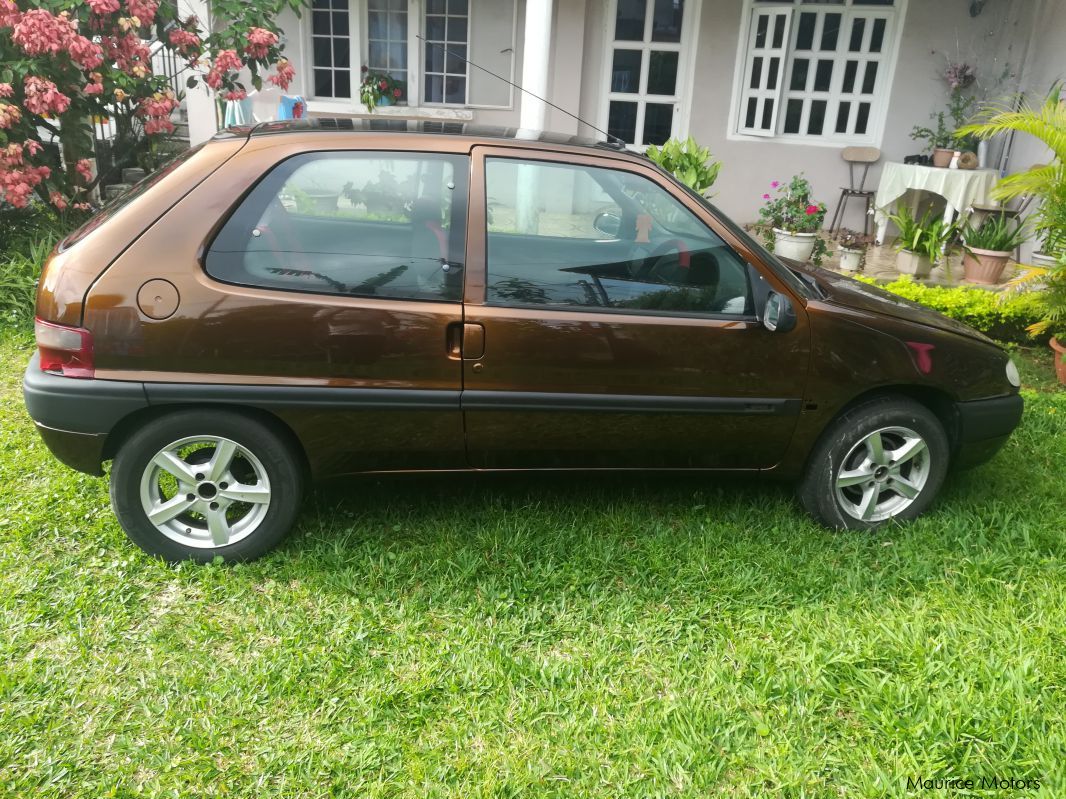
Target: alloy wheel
[[205, 492], [883, 474]]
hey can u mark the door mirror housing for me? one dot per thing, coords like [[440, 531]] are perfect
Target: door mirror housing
[[608, 224], [778, 315]]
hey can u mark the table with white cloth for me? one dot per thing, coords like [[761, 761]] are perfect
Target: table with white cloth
[[961, 188]]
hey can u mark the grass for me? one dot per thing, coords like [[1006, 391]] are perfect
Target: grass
[[539, 636]]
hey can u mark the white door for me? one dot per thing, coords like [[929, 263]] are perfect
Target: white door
[[645, 70]]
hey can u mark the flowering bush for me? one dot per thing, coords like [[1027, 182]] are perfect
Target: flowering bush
[[377, 85], [65, 62]]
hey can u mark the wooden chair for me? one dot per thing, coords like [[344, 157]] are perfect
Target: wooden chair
[[853, 156]]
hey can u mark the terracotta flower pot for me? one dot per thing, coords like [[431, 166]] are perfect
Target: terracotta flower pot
[[911, 263], [1060, 359], [984, 266], [942, 156], [797, 246]]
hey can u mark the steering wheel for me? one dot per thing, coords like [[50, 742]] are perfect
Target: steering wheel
[[657, 257]]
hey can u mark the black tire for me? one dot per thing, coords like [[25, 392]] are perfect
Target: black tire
[[269, 452], [846, 438]]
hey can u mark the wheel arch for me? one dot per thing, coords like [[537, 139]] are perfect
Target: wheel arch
[[135, 421], [937, 401]]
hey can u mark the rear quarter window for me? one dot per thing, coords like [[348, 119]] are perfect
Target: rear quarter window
[[373, 224]]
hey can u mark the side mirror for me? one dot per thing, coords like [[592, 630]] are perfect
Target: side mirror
[[608, 224], [778, 315]]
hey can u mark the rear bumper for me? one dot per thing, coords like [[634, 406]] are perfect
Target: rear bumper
[[984, 427], [74, 416]]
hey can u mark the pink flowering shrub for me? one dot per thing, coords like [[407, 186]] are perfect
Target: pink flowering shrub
[[70, 62]]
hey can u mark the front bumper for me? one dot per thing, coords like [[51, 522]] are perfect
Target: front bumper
[[75, 416], [984, 427]]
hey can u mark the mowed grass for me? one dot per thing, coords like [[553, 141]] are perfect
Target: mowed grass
[[505, 636]]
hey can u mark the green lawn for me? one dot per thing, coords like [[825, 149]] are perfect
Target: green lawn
[[475, 636]]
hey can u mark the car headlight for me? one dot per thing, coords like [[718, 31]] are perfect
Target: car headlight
[[1013, 377]]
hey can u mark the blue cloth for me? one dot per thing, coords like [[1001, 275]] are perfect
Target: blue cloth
[[288, 102]]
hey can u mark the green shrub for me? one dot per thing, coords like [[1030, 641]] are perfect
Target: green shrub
[[1001, 317], [688, 162]]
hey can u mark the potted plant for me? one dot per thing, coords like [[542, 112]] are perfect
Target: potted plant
[[688, 162], [912, 257], [791, 222], [379, 88], [852, 250], [940, 140], [988, 247], [944, 140]]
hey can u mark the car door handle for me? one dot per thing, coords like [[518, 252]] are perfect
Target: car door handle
[[473, 341], [465, 341]]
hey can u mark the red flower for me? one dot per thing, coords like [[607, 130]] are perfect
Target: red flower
[[766, 196], [383, 85], [812, 210], [396, 93]]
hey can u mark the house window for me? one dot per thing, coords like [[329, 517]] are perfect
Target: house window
[[645, 66], [387, 37], [817, 70], [331, 48], [382, 35], [447, 24]]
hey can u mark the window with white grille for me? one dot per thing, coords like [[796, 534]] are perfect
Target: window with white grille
[[817, 70], [386, 36]]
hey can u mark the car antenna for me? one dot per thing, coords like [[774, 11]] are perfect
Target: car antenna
[[609, 136]]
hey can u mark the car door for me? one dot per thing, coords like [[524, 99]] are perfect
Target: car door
[[330, 297], [614, 326]]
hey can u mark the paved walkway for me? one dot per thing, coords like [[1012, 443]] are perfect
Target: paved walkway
[[881, 265]]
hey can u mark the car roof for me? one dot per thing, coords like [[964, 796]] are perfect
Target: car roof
[[486, 134]]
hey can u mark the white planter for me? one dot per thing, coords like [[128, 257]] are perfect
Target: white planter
[[1043, 259], [911, 263], [797, 246], [850, 260]]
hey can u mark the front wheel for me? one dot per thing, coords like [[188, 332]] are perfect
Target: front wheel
[[882, 460], [195, 485]]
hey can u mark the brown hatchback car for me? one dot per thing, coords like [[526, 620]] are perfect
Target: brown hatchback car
[[323, 297]]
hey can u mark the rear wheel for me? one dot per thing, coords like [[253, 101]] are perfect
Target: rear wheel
[[882, 460], [195, 485]]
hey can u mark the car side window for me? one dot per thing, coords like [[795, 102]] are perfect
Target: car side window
[[568, 235], [370, 224]]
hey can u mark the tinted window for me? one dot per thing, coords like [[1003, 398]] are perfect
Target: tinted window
[[566, 235], [366, 224]]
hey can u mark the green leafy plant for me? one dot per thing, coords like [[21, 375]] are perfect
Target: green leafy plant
[[998, 233], [19, 272], [930, 236], [688, 162], [1049, 221], [959, 77], [939, 136], [378, 85]]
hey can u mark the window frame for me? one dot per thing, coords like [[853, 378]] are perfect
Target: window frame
[[477, 266], [358, 33], [879, 102]]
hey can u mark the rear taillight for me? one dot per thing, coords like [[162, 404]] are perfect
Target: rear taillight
[[66, 351]]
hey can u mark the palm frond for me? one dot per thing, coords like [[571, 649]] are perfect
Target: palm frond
[[1039, 181], [1046, 122]]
